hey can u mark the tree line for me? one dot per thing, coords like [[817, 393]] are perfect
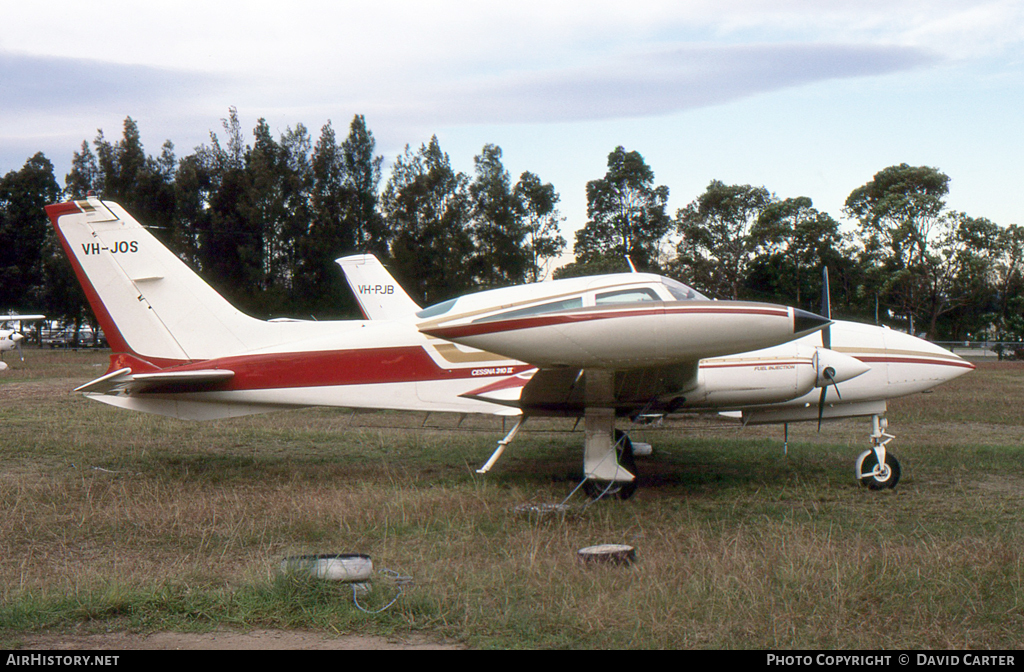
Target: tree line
[[263, 223]]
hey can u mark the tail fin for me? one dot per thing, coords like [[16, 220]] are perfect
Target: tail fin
[[379, 296], [149, 303]]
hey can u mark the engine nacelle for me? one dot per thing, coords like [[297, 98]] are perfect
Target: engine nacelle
[[739, 382]]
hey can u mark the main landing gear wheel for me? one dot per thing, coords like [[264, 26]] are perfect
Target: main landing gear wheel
[[874, 478], [621, 490]]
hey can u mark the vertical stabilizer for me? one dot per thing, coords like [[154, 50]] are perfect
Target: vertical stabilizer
[[380, 297], [148, 301]]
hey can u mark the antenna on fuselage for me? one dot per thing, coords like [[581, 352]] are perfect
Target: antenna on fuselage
[[630, 262]]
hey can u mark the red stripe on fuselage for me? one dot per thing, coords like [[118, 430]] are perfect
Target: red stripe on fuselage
[[767, 362], [515, 324], [404, 364], [916, 360]]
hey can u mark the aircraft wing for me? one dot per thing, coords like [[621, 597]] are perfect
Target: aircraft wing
[[11, 317], [629, 356], [629, 336]]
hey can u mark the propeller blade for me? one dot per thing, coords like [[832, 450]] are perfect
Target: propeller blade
[[17, 338], [821, 406], [829, 375], [826, 308], [826, 298]]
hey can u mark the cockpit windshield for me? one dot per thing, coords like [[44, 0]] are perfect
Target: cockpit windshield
[[634, 295], [437, 309], [683, 292]]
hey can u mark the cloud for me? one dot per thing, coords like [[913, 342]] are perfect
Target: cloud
[[59, 91], [45, 83], [655, 83]]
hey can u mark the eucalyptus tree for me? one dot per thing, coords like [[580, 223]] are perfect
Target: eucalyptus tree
[[121, 171], [344, 217], [1008, 281], [796, 241], [428, 210], [498, 229], [957, 277], [85, 173], [515, 226], [898, 211], [717, 247], [537, 205], [27, 244], [361, 178], [229, 244], [626, 215]]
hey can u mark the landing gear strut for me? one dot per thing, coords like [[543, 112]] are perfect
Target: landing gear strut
[[608, 466], [596, 489], [878, 469]]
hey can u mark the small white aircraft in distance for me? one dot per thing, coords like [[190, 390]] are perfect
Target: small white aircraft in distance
[[11, 338], [597, 348]]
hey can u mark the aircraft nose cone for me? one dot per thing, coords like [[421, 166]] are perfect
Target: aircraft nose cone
[[17, 337], [805, 322]]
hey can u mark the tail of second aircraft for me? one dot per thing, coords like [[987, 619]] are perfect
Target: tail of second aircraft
[[379, 296], [148, 302]]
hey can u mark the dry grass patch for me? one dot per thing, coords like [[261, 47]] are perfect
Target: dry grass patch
[[113, 520]]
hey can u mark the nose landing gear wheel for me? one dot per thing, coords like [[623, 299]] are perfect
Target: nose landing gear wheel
[[874, 478]]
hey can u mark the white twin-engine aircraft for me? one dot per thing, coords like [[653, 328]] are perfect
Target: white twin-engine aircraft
[[600, 347], [10, 339]]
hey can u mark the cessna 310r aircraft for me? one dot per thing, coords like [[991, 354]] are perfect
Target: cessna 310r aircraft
[[597, 347], [10, 339]]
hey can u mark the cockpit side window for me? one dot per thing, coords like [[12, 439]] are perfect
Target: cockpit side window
[[682, 292], [565, 304], [626, 296]]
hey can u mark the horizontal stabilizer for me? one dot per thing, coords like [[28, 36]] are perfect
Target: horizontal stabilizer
[[123, 380], [184, 377], [106, 383]]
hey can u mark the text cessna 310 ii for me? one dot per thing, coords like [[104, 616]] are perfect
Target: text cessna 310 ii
[[597, 347]]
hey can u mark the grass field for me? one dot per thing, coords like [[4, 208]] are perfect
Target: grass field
[[111, 520]]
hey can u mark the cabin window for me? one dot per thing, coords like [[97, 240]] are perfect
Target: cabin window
[[540, 309], [626, 296]]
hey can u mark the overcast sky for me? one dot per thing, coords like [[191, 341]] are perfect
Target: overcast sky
[[806, 98]]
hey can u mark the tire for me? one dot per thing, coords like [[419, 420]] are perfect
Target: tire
[[867, 462]]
